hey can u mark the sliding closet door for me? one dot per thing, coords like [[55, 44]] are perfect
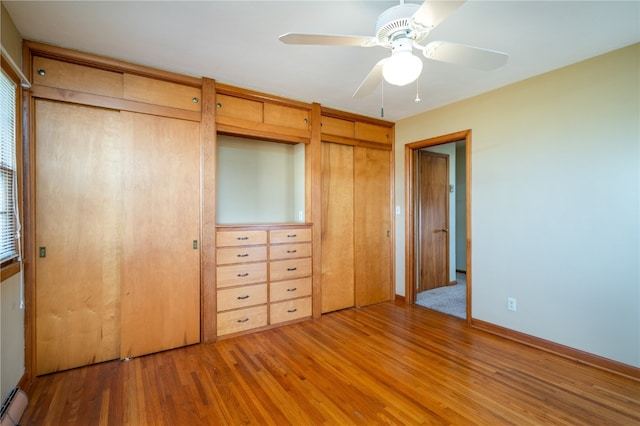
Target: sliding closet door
[[372, 225], [338, 285], [77, 219], [161, 217]]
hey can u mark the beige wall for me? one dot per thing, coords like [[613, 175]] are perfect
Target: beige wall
[[555, 202], [11, 314]]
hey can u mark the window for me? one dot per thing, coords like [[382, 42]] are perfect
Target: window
[[8, 170]]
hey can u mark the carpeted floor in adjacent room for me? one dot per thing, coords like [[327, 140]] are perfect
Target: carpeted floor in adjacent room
[[450, 300]]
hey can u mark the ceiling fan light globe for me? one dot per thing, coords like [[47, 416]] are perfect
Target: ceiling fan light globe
[[402, 68]]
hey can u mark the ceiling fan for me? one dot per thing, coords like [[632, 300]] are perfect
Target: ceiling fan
[[401, 28]]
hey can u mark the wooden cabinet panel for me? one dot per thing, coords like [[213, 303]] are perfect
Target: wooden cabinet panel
[[290, 310], [163, 93], [284, 290], [241, 274], [229, 255], [338, 285], [242, 297], [77, 311], [234, 107], [241, 320], [372, 226], [372, 132], [64, 75], [292, 235], [240, 238], [288, 269], [279, 115], [289, 251], [338, 127], [160, 301]]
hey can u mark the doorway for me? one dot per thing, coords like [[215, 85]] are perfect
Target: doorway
[[438, 219]]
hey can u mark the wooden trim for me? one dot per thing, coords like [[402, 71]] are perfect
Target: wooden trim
[[315, 157], [400, 299], [28, 226], [9, 271], [89, 99], [357, 142], [81, 58], [558, 349], [208, 317], [410, 205], [270, 132]]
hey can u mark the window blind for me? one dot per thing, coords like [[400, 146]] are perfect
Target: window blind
[[8, 172]]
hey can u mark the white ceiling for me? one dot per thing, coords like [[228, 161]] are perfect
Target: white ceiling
[[236, 42]]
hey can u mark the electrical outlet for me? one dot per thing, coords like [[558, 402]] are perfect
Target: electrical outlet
[[512, 304]]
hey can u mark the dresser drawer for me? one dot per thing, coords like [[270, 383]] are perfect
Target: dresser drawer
[[240, 238], [242, 297], [228, 255], [290, 310], [295, 235], [241, 274], [284, 290], [288, 269], [290, 251], [242, 319]]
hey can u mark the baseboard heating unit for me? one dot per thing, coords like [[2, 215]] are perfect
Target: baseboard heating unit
[[13, 407]]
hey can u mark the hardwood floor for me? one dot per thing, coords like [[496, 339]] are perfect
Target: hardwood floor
[[390, 363]]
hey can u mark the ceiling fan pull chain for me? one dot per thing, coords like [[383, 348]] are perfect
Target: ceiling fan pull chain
[[382, 101], [417, 100]]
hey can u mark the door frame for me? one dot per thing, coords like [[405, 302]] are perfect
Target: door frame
[[410, 152]]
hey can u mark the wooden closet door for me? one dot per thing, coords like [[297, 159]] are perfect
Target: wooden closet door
[[372, 225], [161, 216], [77, 221], [338, 284]]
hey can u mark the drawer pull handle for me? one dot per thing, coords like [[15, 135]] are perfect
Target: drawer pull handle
[[292, 235], [243, 297], [242, 238], [292, 289], [243, 255], [291, 269], [291, 310], [246, 274], [42, 72], [243, 320], [292, 251]]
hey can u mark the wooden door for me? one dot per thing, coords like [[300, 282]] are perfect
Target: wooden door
[[372, 226], [77, 218], [160, 269], [338, 284], [433, 241]]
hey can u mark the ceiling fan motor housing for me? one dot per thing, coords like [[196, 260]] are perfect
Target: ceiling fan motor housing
[[395, 23]]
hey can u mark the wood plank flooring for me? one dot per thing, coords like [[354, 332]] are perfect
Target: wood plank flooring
[[384, 364]]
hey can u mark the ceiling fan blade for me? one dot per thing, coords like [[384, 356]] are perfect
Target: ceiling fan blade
[[371, 81], [431, 13], [327, 39], [461, 54]]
